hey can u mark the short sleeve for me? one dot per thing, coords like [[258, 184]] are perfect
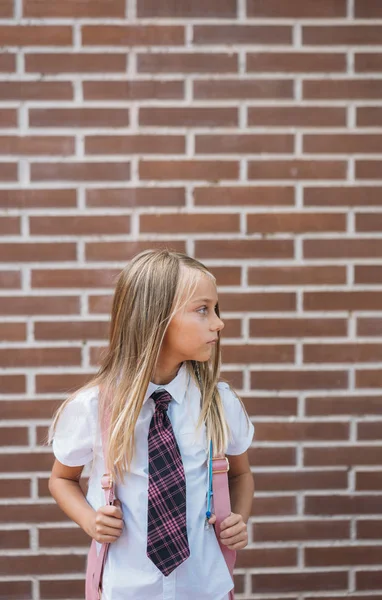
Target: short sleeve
[[73, 440], [240, 426]]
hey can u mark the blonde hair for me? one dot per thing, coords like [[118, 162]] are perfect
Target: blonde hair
[[150, 290]]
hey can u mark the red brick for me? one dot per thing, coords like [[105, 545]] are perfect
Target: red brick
[[39, 357], [301, 480], [298, 328], [342, 35], [368, 580], [132, 35], [6, 11], [274, 505], [62, 537], [180, 9], [259, 353], [343, 555], [368, 169], [343, 248], [8, 171], [295, 222], [343, 196], [369, 116], [14, 488], [368, 480], [243, 34], [367, 62], [267, 557], [7, 62], [73, 9], [264, 457], [8, 116], [189, 223], [241, 89], [296, 116], [13, 436], [298, 9], [301, 431], [122, 251], [9, 226], [34, 145], [29, 409], [61, 589], [187, 63], [293, 276], [132, 197], [71, 330], [343, 455], [346, 300], [36, 35], [344, 405], [301, 531], [299, 582], [42, 564], [368, 326], [296, 169], [368, 274], [342, 89], [343, 144], [75, 63], [369, 431], [32, 513], [70, 278], [13, 332], [80, 171], [368, 9], [12, 384], [135, 144], [188, 117], [17, 589], [30, 198], [245, 196], [369, 529], [80, 225], [61, 384], [188, 170], [368, 378], [244, 144], [342, 353], [25, 252], [39, 305], [368, 222], [296, 62], [271, 406], [298, 380], [133, 90], [78, 117], [263, 249], [35, 90]]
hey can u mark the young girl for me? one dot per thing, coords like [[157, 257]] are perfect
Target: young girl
[[161, 370]]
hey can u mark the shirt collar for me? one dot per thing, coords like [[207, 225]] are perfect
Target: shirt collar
[[177, 386]]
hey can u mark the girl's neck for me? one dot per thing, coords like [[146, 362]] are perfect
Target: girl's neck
[[164, 374]]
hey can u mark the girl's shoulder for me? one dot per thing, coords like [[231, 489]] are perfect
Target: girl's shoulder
[[241, 428]]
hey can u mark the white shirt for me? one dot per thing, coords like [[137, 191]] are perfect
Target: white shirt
[[129, 573]]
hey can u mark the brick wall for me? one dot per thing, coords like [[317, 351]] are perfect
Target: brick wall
[[246, 133]]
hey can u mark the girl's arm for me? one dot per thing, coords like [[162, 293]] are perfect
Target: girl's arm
[[104, 525], [241, 485]]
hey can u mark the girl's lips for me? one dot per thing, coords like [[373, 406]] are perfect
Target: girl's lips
[[212, 342]]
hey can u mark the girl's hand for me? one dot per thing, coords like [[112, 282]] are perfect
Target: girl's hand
[[108, 523], [233, 531]]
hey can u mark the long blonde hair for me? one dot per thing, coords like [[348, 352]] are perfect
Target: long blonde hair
[[149, 291]]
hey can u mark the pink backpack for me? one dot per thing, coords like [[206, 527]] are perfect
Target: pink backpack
[[222, 509]]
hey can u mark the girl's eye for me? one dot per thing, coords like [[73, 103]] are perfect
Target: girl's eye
[[203, 309]]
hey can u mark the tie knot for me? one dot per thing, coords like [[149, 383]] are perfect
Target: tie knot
[[162, 399]]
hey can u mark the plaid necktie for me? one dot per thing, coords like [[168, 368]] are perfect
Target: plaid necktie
[[167, 542]]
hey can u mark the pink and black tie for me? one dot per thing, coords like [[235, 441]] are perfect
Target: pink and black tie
[[167, 541]]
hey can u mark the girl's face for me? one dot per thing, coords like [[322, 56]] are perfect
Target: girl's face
[[194, 329]]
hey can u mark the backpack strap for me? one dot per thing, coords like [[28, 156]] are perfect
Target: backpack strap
[[222, 506], [109, 489]]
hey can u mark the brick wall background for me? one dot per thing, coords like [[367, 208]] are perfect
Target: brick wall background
[[248, 133]]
